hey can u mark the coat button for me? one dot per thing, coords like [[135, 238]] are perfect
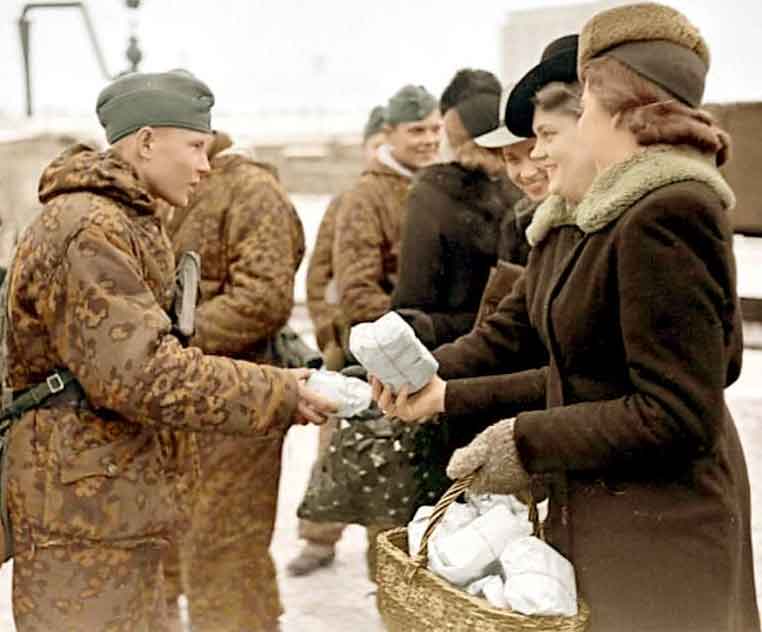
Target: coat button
[[112, 469]]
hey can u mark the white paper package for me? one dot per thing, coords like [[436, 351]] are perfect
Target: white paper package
[[389, 349], [538, 579], [457, 515], [351, 394], [474, 550], [491, 588]]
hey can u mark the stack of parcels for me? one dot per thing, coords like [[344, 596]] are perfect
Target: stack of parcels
[[351, 395], [486, 547], [389, 349]]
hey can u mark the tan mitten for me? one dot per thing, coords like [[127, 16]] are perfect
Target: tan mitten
[[493, 455]]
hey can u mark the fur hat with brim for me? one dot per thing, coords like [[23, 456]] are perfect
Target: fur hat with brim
[[656, 41], [558, 63]]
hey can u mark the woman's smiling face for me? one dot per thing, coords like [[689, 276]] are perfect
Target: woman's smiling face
[[561, 152]]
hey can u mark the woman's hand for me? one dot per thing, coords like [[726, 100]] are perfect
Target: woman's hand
[[425, 403], [494, 457], [311, 407]]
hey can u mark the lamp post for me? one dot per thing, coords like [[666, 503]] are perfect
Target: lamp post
[[134, 54]]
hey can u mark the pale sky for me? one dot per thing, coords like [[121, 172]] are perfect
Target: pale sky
[[260, 56]]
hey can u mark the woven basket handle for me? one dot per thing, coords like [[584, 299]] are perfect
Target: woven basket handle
[[447, 499]]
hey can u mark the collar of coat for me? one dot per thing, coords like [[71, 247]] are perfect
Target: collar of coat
[[385, 157], [80, 168], [622, 185]]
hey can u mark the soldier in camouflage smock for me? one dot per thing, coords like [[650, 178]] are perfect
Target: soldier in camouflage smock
[[93, 475], [369, 223], [322, 302], [369, 220], [251, 242]]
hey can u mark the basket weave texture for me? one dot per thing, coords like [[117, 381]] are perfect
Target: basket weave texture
[[419, 601]]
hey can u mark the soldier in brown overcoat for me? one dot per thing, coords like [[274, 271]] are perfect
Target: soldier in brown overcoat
[[96, 473]]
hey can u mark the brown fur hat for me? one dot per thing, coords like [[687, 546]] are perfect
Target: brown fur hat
[[641, 22], [656, 41]]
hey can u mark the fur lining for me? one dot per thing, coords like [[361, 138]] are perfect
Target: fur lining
[[624, 184], [459, 183], [553, 212], [635, 23]]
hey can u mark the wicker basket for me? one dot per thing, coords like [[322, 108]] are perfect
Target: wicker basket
[[413, 599]]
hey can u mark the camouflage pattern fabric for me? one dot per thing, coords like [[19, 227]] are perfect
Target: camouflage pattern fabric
[[367, 243], [97, 588], [90, 286], [228, 572], [251, 242], [320, 273]]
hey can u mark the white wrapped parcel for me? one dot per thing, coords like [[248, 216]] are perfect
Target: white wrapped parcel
[[538, 579], [491, 588], [457, 515], [351, 395], [389, 349], [474, 550]]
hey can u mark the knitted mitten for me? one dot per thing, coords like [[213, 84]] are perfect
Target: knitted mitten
[[493, 453]]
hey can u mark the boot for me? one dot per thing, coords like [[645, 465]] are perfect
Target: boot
[[312, 557]]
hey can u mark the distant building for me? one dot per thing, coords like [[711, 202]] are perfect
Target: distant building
[[527, 32]]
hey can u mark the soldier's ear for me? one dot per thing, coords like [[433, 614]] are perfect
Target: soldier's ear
[[145, 140]]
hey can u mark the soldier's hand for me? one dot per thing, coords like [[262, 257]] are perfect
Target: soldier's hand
[[311, 407], [424, 404]]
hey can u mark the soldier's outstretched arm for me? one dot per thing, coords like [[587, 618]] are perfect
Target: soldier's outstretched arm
[[111, 332]]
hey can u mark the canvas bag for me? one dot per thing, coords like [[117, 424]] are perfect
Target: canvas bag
[[376, 471]]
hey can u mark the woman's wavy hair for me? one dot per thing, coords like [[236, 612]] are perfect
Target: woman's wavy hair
[[467, 152], [651, 113], [560, 97]]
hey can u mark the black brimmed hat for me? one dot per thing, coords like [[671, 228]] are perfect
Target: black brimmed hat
[[558, 63]]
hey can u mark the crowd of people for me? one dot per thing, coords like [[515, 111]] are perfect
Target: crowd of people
[[563, 247]]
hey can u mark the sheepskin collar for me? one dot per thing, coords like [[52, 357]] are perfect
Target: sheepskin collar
[[622, 185]]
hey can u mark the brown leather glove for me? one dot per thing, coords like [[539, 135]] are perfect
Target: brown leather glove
[[493, 455]]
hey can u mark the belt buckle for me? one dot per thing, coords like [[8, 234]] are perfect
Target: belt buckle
[[55, 383]]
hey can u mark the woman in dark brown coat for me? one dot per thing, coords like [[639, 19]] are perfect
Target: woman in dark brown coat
[[646, 475], [454, 212]]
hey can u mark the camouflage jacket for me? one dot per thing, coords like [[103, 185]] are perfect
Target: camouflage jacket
[[90, 285], [320, 273], [251, 242], [367, 243]]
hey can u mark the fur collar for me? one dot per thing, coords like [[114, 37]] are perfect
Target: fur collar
[[472, 186], [622, 185]]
